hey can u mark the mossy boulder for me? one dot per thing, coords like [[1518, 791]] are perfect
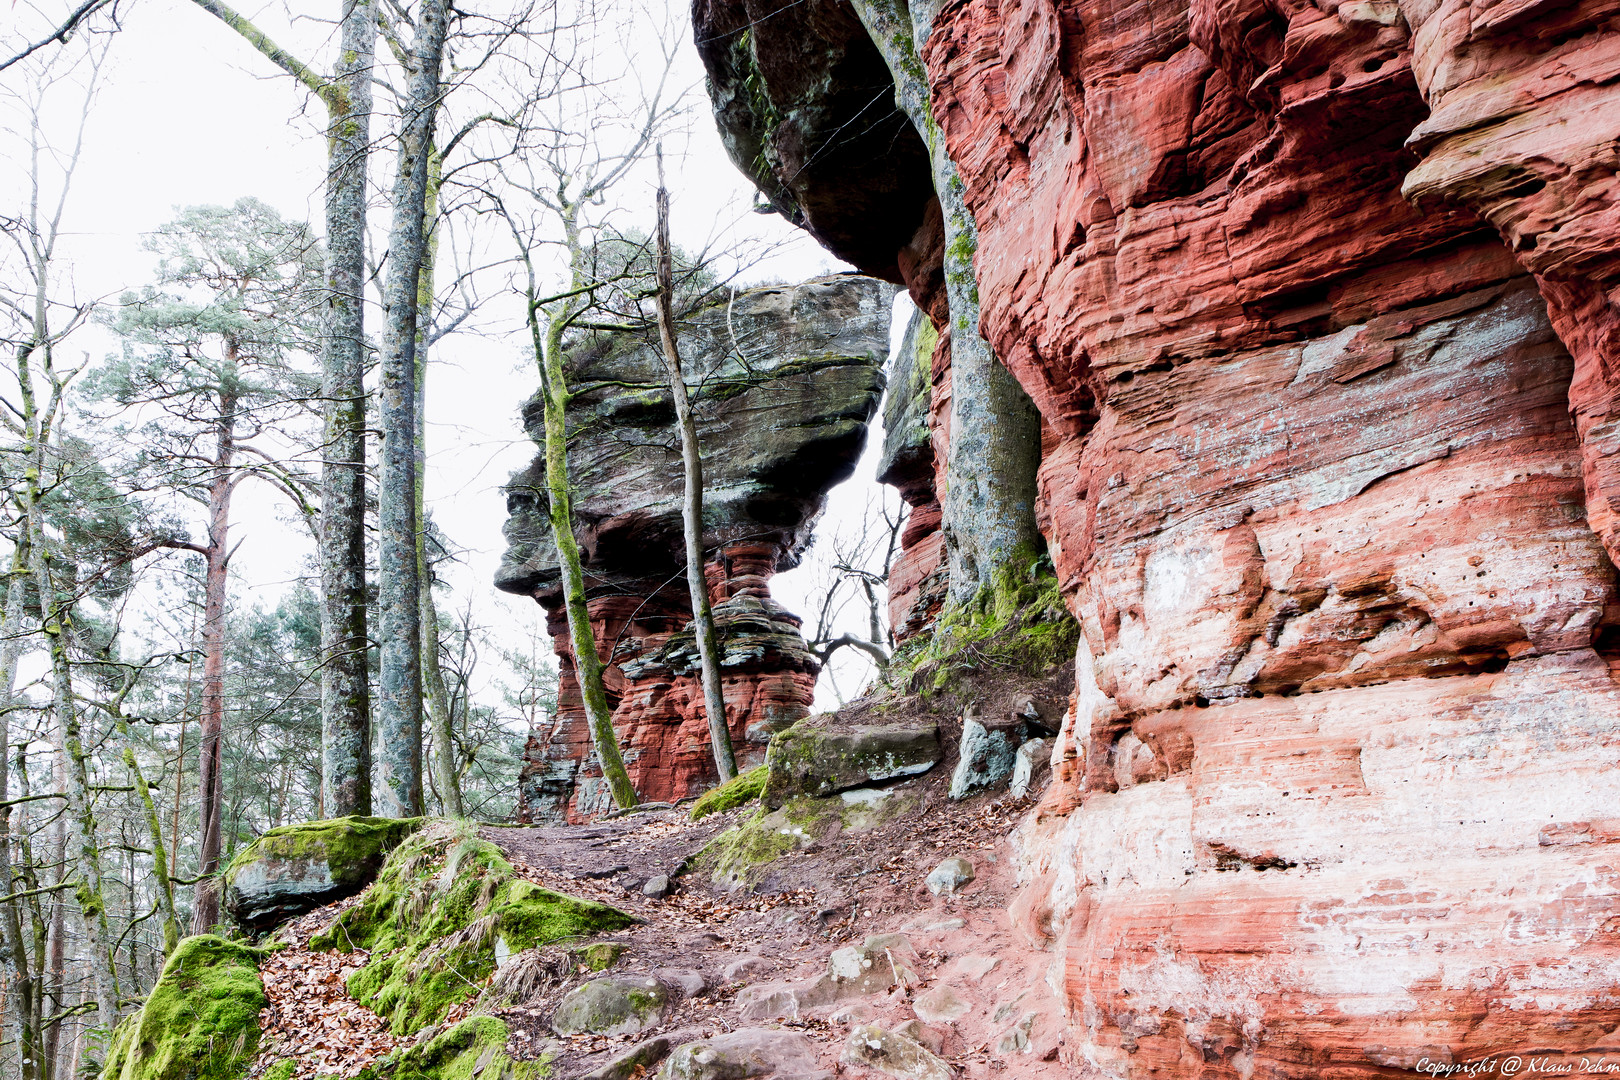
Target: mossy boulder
[[611, 1006], [444, 908], [809, 759], [201, 1021], [297, 868], [740, 790], [474, 1048]]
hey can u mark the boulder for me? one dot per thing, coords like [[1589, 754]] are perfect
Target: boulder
[[940, 1005], [893, 1054], [986, 754], [748, 1052], [808, 759], [1032, 765], [200, 1020], [634, 1062], [855, 971], [611, 1006], [949, 875], [297, 868]]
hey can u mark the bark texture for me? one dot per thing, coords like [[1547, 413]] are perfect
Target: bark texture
[[345, 683], [399, 704]]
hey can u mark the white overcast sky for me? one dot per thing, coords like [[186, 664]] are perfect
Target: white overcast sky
[[189, 114]]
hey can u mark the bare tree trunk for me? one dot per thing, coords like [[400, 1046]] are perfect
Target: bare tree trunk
[[205, 908], [22, 993], [448, 782], [714, 700], [399, 712], [995, 445], [345, 688]]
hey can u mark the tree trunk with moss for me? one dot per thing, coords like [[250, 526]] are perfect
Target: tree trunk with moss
[[714, 701], [995, 434], [399, 704], [436, 695]]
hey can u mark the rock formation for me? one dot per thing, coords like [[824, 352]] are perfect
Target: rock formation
[[785, 381], [1318, 303]]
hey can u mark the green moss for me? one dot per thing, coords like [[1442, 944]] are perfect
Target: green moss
[[443, 903], [1017, 622], [739, 856], [281, 1070], [352, 847], [742, 788], [476, 1047], [201, 1021], [600, 955]]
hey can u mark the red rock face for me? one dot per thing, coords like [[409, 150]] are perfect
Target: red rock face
[[1296, 289], [769, 681]]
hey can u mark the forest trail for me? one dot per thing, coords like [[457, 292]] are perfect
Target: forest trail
[[754, 962]]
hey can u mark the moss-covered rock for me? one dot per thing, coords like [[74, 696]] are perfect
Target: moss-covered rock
[[611, 1006], [810, 759], [297, 868], [474, 1048], [201, 1021], [743, 788], [444, 907], [742, 855], [599, 955]]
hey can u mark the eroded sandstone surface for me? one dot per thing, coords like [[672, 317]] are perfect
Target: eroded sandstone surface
[[784, 381], [1318, 305]]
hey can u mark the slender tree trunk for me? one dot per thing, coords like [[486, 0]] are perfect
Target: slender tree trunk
[[22, 996], [55, 606], [399, 712], [205, 911], [554, 396], [995, 445], [714, 701], [447, 781], [345, 689]]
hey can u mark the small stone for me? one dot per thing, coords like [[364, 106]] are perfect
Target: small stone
[[643, 1055], [747, 1052], [1031, 766], [949, 876], [918, 1032], [894, 1054], [657, 886], [977, 967], [745, 966], [611, 1006], [941, 1005], [689, 983]]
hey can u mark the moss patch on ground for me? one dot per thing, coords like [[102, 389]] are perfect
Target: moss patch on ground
[[444, 904], [476, 1047], [742, 855], [743, 788], [201, 1021]]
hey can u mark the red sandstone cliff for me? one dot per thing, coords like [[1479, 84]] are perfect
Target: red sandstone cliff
[[1318, 305], [785, 380]]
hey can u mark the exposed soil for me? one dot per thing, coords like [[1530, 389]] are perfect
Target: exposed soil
[[705, 945]]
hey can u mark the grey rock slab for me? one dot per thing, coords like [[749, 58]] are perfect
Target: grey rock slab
[[747, 1052], [893, 1054], [611, 1006], [298, 868], [645, 1055], [986, 756], [744, 966], [815, 760], [976, 967], [1032, 765], [950, 875], [940, 1005], [689, 983]]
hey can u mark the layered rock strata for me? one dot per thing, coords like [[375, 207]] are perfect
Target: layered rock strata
[[1317, 302], [784, 381]]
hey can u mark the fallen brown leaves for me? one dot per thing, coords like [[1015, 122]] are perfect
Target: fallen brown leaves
[[311, 1018]]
